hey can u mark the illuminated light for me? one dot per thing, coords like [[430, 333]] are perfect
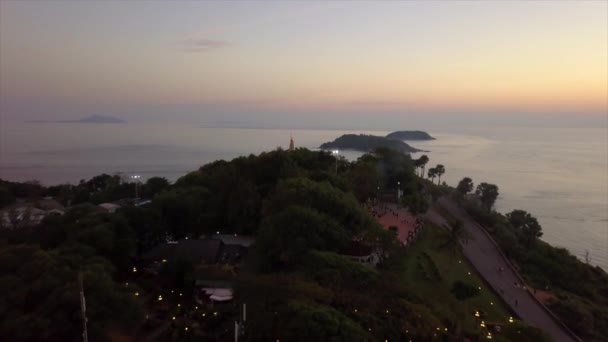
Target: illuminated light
[[215, 313], [446, 329], [218, 232], [164, 260], [160, 297], [460, 262], [134, 269], [126, 284], [136, 293], [491, 303], [355, 310], [186, 328], [438, 329], [204, 314], [489, 336], [196, 308], [386, 311], [479, 287], [178, 305], [370, 329], [173, 318], [510, 319], [483, 324], [469, 273], [180, 294], [235, 235], [171, 291]]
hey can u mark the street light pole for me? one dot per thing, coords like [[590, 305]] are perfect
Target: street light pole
[[398, 193], [136, 178], [336, 153]]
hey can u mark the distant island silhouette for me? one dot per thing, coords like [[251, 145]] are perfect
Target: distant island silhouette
[[88, 119], [367, 143], [410, 135]]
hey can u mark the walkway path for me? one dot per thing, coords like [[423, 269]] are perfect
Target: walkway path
[[393, 215], [487, 259]]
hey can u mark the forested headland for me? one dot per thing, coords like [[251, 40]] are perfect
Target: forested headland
[[296, 280]]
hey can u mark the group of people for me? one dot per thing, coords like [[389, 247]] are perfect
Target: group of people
[[391, 215], [500, 270], [380, 211]]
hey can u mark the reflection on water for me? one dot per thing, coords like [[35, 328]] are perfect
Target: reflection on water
[[560, 175]]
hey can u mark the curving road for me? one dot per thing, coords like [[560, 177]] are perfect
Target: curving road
[[487, 258]]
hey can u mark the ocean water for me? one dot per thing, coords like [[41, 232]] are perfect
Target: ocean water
[[560, 175]]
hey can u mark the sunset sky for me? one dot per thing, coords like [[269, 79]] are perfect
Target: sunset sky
[[196, 60]]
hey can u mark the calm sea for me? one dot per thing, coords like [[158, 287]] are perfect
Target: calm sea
[[560, 175]]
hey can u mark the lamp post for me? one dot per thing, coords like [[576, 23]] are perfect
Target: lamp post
[[398, 192], [336, 153], [136, 178]]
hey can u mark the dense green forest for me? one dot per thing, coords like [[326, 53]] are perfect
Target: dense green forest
[[279, 196], [298, 286], [410, 135]]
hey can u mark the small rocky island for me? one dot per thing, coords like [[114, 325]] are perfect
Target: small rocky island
[[367, 143], [89, 119], [410, 135], [100, 119]]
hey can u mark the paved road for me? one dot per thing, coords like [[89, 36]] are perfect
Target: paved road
[[486, 258]]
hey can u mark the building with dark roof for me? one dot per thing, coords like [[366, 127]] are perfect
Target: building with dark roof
[[203, 251], [197, 251]]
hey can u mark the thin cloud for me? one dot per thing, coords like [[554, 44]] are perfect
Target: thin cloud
[[202, 44]]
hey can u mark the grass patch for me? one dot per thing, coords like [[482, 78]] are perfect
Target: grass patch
[[431, 271]]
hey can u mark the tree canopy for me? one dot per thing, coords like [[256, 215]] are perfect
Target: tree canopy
[[464, 187], [487, 194]]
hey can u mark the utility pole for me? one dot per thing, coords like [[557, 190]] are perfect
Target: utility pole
[[239, 329], [236, 331], [83, 310]]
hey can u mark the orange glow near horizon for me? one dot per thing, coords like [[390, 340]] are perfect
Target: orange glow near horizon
[[412, 56]]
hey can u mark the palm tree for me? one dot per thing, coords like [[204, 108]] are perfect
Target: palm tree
[[456, 233], [417, 165], [432, 174], [439, 170], [422, 163]]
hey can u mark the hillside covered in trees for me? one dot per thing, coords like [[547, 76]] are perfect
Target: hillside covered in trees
[[410, 135], [295, 279]]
